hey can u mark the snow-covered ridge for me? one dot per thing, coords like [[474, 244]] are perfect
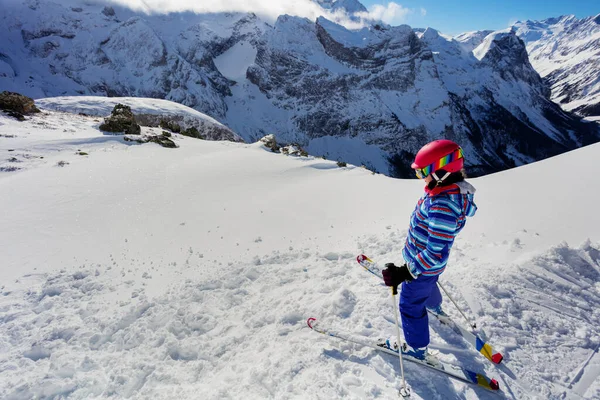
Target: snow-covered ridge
[[489, 41], [102, 106], [145, 108], [74, 126], [470, 40], [141, 272]]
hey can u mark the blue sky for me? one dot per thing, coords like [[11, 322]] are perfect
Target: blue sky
[[454, 17]]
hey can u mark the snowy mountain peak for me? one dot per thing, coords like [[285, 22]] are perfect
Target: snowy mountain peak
[[430, 34], [470, 40], [326, 4], [348, 6], [506, 38]]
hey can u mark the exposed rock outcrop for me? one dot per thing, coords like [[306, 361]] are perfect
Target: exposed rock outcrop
[[121, 120], [16, 105]]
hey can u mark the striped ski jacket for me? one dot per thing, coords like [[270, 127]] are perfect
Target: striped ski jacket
[[438, 217]]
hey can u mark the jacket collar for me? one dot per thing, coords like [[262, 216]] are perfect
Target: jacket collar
[[452, 189]]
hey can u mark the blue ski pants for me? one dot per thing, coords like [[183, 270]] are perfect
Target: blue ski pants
[[415, 298]]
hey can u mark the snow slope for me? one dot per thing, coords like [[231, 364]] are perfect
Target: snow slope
[[142, 272], [147, 111]]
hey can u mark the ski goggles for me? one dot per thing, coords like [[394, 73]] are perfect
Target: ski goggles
[[441, 163]]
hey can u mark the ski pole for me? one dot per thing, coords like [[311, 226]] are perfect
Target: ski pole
[[404, 391], [473, 325]]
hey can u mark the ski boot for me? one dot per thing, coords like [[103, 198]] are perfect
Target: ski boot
[[421, 354], [437, 311]]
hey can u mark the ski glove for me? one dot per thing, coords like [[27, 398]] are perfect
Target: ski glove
[[394, 276]]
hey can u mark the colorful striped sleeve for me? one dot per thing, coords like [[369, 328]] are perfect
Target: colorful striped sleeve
[[443, 223]]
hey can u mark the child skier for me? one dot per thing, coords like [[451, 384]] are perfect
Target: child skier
[[439, 216]]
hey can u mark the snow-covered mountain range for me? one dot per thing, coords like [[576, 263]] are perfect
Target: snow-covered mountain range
[[370, 96], [132, 271], [565, 51]]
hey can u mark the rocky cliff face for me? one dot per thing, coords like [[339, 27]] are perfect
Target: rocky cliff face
[[387, 90], [371, 96]]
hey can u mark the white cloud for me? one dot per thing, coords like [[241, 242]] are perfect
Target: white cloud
[[273, 9], [392, 13], [423, 11]]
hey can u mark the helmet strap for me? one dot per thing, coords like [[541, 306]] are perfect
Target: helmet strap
[[440, 180]]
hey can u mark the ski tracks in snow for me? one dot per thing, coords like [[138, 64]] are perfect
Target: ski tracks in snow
[[546, 317], [238, 331], [587, 374]]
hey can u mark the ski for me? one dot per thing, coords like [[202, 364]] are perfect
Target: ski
[[472, 338], [453, 371]]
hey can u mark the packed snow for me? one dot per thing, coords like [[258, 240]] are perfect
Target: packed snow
[[136, 271]]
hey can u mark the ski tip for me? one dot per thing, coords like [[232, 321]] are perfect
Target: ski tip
[[494, 384], [497, 358], [361, 259], [310, 321]]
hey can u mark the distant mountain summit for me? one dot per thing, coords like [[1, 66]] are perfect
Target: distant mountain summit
[[470, 40], [349, 6]]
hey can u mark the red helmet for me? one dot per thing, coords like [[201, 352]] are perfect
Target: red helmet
[[439, 154]]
